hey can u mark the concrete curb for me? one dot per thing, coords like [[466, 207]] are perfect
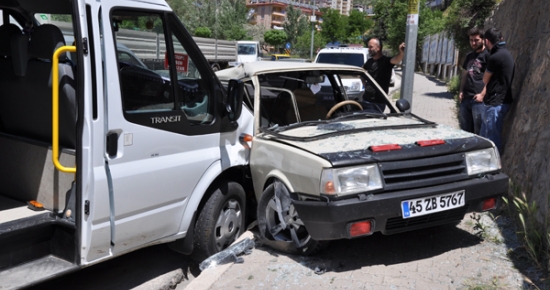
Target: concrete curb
[[209, 276]]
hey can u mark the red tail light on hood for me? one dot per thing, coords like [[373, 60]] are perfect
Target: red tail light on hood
[[425, 143], [387, 147]]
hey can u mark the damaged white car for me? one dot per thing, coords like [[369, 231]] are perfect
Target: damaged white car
[[328, 167]]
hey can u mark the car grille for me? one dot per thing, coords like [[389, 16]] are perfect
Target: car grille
[[399, 224], [423, 172]]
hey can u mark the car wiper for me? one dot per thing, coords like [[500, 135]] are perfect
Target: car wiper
[[339, 130], [276, 128], [360, 115]]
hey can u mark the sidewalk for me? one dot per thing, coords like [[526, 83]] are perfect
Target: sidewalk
[[431, 100], [265, 268]]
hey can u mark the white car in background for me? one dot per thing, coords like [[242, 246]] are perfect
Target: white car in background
[[355, 56]]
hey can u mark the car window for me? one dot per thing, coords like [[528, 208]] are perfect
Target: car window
[[247, 49], [144, 71], [355, 59], [128, 58], [300, 96]]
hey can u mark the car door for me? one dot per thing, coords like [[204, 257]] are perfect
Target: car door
[[161, 129]]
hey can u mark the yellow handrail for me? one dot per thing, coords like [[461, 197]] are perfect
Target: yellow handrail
[[55, 109]]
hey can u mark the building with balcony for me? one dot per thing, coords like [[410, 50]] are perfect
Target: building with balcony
[[344, 6], [272, 13]]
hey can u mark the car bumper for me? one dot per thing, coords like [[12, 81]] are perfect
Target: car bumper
[[331, 220]]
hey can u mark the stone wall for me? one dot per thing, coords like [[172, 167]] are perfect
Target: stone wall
[[525, 25]]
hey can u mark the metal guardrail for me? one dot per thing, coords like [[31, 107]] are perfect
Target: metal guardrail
[[146, 45]]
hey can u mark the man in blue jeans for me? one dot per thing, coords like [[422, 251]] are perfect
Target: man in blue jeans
[[471, 112], [496, 95]]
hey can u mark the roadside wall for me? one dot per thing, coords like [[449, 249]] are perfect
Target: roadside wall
[[526, 28]]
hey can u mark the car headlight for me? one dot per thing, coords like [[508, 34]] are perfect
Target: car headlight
[[350, 180], [481, 161], [353, 87]]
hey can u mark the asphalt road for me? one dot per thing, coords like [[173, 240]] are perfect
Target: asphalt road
[[443, 257], [155, 267]]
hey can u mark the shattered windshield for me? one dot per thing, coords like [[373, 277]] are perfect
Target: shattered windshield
[[289, 100]]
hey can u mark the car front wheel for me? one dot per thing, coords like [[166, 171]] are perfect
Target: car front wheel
[[278, 221]]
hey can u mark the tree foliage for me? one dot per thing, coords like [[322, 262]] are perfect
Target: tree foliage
[[255, 32], [391, 20], [465, 14], [225, 18], [358, 23], [62, 17], [232, 16], [203, 32], [295, 25], [303, 46], [275, 37], [334, 25]]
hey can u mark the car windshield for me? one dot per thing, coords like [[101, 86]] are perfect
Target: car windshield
[[289, 100], [355, 59], [247, 49]]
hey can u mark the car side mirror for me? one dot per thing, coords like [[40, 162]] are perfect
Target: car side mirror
[[234, 106], [403, 105]]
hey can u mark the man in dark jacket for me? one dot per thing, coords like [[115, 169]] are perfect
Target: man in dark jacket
[[380, 67], [471, 112], [497, 94]]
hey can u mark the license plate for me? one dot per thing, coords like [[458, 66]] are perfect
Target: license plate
[[432, 204]]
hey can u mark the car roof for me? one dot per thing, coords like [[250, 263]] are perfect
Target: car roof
[[344, 50], [262, 67]]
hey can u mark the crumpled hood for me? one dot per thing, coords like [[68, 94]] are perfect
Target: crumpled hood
[[354, 147]]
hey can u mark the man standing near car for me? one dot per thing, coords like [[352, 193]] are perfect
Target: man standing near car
[[497, 94], [380, 68], [471, 112]]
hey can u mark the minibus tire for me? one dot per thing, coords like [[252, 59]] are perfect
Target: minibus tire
[[221, 220]]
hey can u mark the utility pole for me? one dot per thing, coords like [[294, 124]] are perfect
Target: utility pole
[[313, 20], [409, 61]]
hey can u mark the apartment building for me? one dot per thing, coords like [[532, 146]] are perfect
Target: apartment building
[[344, 6], [272, 13]]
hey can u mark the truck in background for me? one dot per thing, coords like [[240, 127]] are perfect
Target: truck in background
[[148, 45], [248, 51], [112, 156]]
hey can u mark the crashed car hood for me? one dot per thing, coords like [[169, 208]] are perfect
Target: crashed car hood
[[355, 147]]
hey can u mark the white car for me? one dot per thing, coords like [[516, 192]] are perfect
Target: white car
[[354, 56], [334, 168]]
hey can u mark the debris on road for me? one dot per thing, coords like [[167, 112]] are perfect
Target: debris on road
[[229, 255], [320, 271]]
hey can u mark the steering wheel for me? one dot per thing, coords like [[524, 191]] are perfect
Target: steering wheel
[[341, 104]]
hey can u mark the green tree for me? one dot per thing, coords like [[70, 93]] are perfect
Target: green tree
[[275, 37], [232, 16], [225, 18], [255, 32], [465, 14], [303, 45], [334, 25], [203, 32], [295, 24], [61, 17], [391, 19], [357, 22], [188, 13]]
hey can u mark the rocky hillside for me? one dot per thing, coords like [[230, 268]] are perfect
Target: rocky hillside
[[526, 158]]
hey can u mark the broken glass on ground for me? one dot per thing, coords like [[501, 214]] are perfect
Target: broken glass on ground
[[229, 255]]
